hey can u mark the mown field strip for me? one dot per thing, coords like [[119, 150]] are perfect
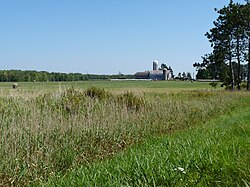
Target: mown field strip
[[147, 86]]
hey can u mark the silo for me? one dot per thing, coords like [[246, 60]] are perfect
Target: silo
[[155, 65], [165, 74]]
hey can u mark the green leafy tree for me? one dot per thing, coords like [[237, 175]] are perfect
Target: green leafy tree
[[203, 74], [171, 72], [164, 66], [189, 76], [179, 75]]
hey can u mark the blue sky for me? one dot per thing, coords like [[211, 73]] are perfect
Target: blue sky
[[104, 36]]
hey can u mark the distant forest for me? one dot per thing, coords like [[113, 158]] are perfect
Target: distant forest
[[43, 76]]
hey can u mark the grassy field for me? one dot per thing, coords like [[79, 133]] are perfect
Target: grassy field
[[143, 86], [213, 154], [51, 131]]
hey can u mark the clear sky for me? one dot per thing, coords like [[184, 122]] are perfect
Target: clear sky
[[104, 36]]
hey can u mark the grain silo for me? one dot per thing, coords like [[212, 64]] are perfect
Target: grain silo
[[155, 65], [165, 74]]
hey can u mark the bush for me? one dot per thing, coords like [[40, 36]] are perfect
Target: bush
[[68, 102], [97, 93], [213, 84], [72, 100], [243, 85], [131, 101]]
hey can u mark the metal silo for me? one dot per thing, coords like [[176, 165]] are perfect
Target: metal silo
[[165, 74], [155, 65]]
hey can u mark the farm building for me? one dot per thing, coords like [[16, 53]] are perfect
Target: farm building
[[155, 74], [142, 75]]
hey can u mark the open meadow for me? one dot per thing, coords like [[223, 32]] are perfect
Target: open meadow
[[123, 133], [138, 86]]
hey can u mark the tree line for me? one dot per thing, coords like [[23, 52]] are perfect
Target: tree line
[[229, 60], [184, 76], [44, 76]]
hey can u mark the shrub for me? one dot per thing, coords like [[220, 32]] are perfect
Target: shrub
[[131, 101], [243, 85], [97, 93], [72, 100], [213, 84]]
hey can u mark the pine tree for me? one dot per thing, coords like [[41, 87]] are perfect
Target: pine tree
[[228, 40], [247, 13]]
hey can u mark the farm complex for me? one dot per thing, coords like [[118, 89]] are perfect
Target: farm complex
[[155, 74]]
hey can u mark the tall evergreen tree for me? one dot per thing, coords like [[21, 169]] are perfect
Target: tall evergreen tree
[[247, 13], [228, 40]]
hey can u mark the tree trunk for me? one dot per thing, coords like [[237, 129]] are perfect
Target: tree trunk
[[231, 66], [231, 73], [238, 61], [248, 74]]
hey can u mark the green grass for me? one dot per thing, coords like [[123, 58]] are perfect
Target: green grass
[[51, 129], [145, 86], [214, 154]]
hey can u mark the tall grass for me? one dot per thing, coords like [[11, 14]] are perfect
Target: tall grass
[[42, 135], [213, 154]]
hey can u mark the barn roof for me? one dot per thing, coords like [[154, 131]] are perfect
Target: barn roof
[[142, 75], [146, 73], [156, 72]]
